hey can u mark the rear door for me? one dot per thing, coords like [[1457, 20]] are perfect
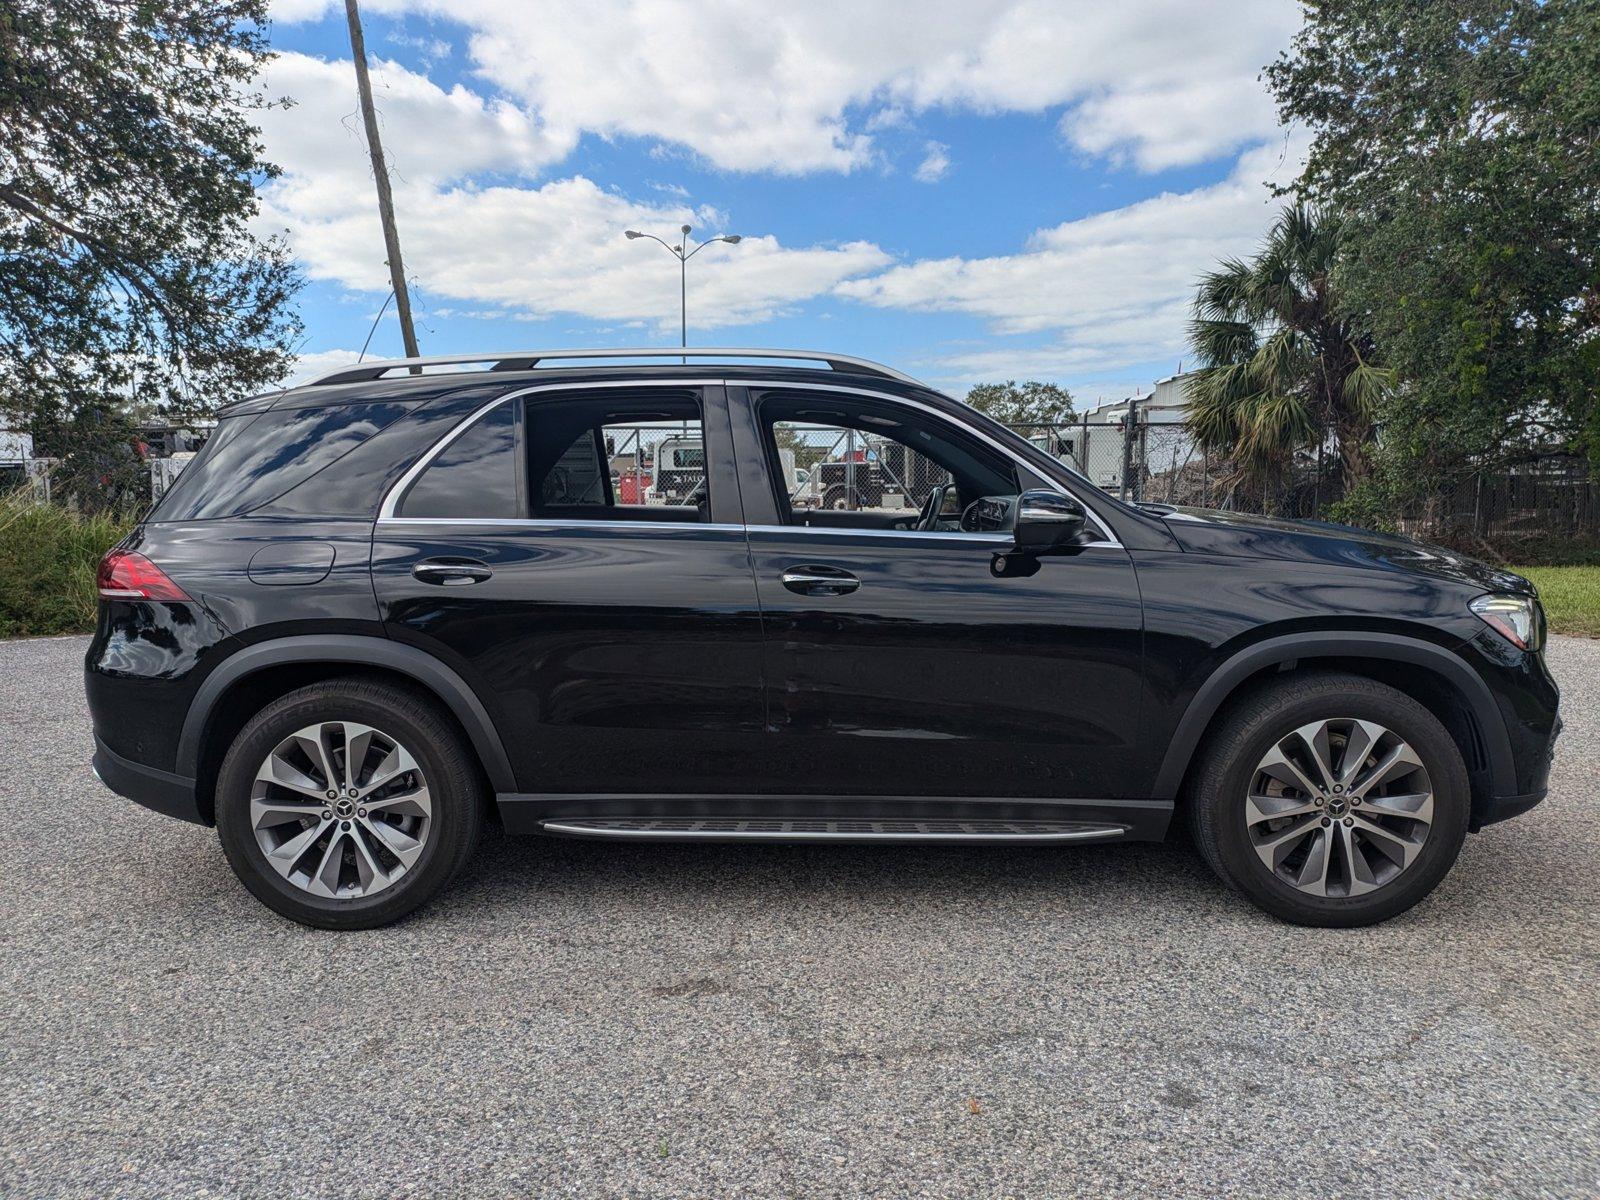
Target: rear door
[[613, 631], [898, 662]]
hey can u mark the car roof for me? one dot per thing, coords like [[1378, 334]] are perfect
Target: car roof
[[395, 379]]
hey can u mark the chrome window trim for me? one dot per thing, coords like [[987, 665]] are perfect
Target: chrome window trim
[[1108, 539], [398, 489], [560, 523], [692, 526], [963, 535]]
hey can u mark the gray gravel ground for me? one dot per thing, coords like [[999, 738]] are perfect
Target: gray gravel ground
[[600, 1020]]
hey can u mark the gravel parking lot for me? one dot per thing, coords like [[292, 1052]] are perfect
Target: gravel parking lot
[[601, 1020]]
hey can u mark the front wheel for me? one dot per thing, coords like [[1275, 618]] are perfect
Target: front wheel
[[347, 804], [1330, 800]]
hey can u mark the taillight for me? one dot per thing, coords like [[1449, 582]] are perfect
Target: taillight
[[126, 575]]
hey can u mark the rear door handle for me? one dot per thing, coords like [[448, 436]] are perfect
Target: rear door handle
[[451, 572], [813, 580]]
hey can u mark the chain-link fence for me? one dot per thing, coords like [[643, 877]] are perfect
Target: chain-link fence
[[1519, 510], [1160, 461]]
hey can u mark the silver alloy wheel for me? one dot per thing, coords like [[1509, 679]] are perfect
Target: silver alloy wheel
[[1339, 807], [341, 809]]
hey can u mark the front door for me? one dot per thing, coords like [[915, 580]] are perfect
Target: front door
[[899, 664], [569, 555]]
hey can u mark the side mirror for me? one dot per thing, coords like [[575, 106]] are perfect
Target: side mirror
[[1048, 522]]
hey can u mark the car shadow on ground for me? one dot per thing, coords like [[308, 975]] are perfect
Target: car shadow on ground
[[508, 870]]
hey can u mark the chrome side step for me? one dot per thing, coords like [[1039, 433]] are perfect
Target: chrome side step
[[667, 829]]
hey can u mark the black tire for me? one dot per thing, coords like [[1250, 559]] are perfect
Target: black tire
[[1236, 744], [840, 498], [452, 778]]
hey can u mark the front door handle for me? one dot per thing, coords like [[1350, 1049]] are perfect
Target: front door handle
[[812, 580], [451, 572]]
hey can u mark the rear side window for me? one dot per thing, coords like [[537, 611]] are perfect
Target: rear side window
[[252, 459], [614, 456], [475, 476]]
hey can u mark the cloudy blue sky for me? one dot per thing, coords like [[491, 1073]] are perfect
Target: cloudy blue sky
[[967, 190]]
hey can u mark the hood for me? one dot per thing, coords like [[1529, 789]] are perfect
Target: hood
[[1244, 535]]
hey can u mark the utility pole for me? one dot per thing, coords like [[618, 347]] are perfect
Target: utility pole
[[380, 173]]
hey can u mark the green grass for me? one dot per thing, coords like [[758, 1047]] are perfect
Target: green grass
[[48, 555], [1571, 597]]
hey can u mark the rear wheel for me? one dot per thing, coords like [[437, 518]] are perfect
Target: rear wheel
[[1330, 800], [347, 804]]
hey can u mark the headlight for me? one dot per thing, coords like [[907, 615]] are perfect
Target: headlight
[[1518, 619]]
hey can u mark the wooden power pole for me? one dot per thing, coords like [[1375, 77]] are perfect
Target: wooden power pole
[[380, 173]]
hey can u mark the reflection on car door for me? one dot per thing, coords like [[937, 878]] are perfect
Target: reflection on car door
[[617, 643], [898, 664]]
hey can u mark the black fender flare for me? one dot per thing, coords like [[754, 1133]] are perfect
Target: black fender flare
[[362, 650], [1388, 647]]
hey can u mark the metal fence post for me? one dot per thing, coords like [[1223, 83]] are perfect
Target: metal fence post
[[1127, 446]]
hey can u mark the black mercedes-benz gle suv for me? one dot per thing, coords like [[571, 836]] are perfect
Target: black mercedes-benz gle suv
[[776, 596]]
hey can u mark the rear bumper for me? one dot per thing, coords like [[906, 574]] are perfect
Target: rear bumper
[[160, 791]]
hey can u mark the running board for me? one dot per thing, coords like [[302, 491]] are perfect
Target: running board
[[667, 829]]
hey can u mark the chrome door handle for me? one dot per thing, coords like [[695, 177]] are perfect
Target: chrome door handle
[[451, 572], [819, 581]]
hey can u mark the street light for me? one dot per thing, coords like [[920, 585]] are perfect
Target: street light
[[683, 254]]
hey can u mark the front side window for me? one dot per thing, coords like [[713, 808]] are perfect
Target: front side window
[[474, 477], [875, 466]]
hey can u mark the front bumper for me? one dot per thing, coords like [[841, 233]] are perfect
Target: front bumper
[[161, 791], [1503, 808]]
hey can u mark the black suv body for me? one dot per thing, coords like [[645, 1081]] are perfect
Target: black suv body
[[394, 584]]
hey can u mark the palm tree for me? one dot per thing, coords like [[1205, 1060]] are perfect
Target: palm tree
[[1283, 365]]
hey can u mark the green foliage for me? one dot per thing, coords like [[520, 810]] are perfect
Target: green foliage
[[1282, 363], [1460, 142], [99, 468], [48, 556], [1030, 403], [1366, 506], [129, 275]]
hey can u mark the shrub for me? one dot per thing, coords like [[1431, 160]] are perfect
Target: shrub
[[48, 555]]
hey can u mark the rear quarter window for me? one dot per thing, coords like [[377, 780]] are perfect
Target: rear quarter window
[[474, 477], [249, 460]]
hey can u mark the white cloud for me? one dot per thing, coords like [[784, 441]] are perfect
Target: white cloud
[[754, 86], [1111, 289], [308, 366], [555, 248], [935, 163], [786, 89], [430, 135]]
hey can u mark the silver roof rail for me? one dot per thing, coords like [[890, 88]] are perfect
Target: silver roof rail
[[523, 360]]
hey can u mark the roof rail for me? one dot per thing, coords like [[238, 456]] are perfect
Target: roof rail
[[522, 360]]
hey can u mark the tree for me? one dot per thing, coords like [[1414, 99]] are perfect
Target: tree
[[1030, 403], [130, 280], [1460, 143], [1282, 363]]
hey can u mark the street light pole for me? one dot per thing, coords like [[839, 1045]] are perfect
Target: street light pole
[[683, 254]]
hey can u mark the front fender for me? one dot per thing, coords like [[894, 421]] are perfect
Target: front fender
[[1352, 644]]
